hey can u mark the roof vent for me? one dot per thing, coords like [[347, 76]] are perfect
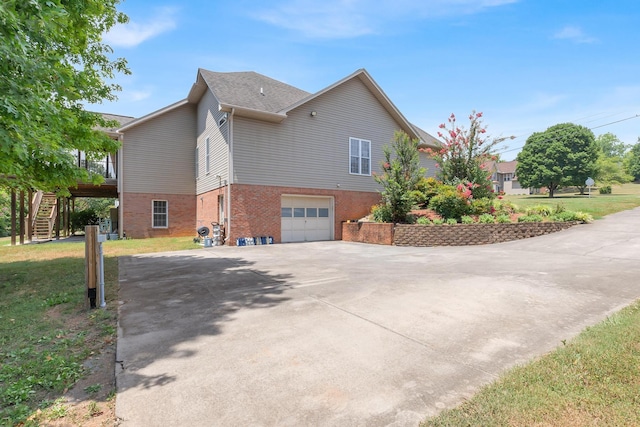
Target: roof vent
[[261, 92]]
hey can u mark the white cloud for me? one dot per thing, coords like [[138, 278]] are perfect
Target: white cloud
[[138, 95], [335, 19], [574, 34], [133, 33]]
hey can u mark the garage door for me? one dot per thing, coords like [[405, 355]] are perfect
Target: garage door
[[306, 219]]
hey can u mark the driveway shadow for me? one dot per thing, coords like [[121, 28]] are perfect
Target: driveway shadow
[[167, 301]]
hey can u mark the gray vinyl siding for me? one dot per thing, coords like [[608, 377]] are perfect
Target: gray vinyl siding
[[313, 152], [208, 117], [158, 155], [429, 164]]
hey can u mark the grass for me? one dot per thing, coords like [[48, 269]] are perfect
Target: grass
[[45, 332], [592, 380], [626, 196]]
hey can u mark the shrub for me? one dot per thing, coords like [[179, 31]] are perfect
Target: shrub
[[449, 203], [605, 189], [438, 221], [381, 213], [466, 219], [541, 210], [567, 216], [482, 206], [425, 189], [451, 221], [486, 219], [423, 220], [503, 219], [79, 219], [504, 207], [531, 218], [559, 208]]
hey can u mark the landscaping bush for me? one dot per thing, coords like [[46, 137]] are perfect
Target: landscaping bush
[[449, 203], [451, 221], [438, 221], [466, 219], [567, 216], [531, 218], [504, 207], [605, 189], [482, 206], [541, 210], [486, 219], [423, 220], [503, 219], [79, 219], [425, 189]]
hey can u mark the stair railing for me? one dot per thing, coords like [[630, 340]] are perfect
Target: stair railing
[[35, 207]]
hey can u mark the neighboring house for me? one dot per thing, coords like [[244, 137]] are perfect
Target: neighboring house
[[260, 157], [503, 176]]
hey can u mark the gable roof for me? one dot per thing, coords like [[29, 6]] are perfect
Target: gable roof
[[252, 90], [253, 95], [503, 167], [122, 120], [426, 139]]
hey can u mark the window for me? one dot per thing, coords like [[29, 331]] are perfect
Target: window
[[197, 162], [160, 210], [323, 213], [359, 156], [286, 213], [207, 155]]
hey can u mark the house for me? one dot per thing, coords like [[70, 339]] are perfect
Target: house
[[259, 157], [503, 176]]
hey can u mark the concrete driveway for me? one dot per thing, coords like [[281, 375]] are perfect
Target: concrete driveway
[[336, 333]]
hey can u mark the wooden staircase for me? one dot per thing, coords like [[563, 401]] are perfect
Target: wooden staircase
[[45, 216]]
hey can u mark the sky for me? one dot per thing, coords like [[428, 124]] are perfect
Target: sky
[[526, 64]]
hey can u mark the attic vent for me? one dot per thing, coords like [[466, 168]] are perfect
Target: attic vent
[[222, 120]]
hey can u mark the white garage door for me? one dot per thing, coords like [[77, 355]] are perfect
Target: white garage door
[[306, 219]]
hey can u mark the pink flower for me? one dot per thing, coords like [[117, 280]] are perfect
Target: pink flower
[[500, 197], [442, 126], [479, 114], [386, 165]]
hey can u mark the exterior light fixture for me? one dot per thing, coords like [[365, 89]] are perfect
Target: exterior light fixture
[[314, 113]]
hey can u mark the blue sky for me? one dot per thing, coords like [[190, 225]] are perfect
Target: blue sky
[[526, 64]]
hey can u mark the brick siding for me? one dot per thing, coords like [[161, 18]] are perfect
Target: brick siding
[[137, 215], [255, 209]]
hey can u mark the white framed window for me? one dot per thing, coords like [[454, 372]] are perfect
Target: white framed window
[[359, 156], [207, 154], [197, 162], [160, 214]]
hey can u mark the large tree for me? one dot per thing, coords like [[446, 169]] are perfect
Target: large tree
[[53, 62], [610, 168], [632, 161], [563, 155]]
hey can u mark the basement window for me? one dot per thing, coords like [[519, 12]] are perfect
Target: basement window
[[160, 213]]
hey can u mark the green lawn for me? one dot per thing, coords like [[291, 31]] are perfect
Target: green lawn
[[624, 197], [45, 332], [593, 380]]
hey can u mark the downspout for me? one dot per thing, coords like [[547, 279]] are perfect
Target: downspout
[[120, 188], [227, 231]]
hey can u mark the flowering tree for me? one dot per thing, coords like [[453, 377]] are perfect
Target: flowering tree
[[401, 174], [463, 157]]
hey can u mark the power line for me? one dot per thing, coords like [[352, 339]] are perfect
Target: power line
[[592, 128]]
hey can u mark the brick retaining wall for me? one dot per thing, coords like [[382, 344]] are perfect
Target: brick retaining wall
[[447, 235]]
